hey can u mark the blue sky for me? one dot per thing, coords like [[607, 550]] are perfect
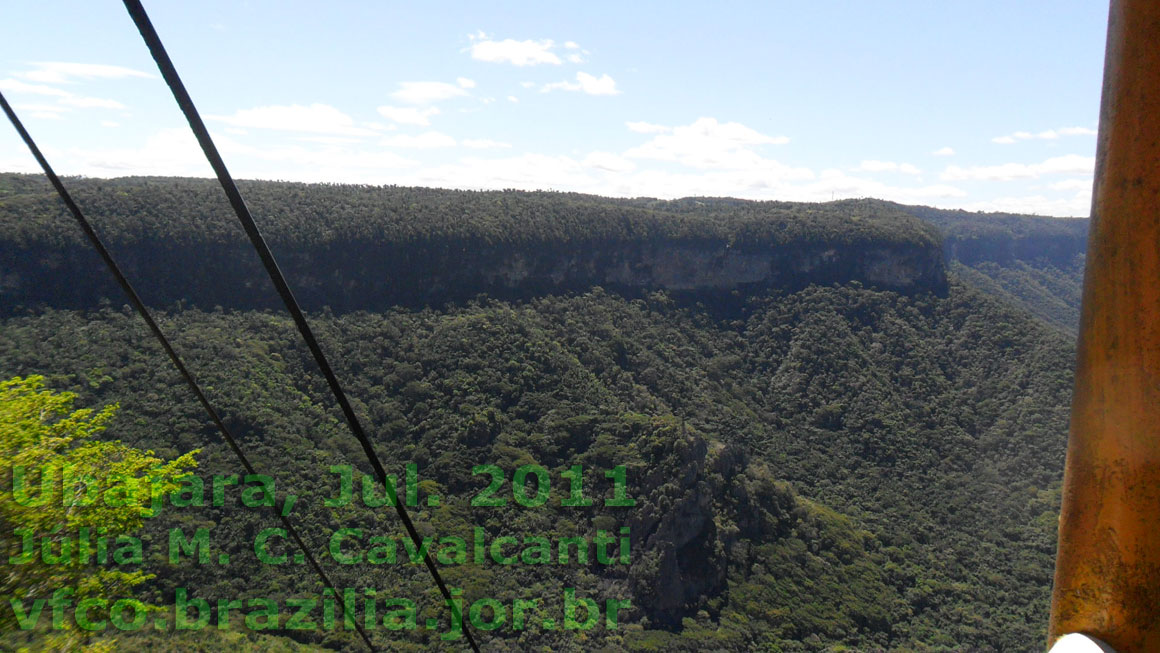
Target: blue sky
[[968, 104]]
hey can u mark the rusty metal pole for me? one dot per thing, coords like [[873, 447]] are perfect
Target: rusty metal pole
[[1107, 573]]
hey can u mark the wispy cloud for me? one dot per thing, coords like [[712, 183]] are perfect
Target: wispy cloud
[[1070, 164], [62, 72], [647, 128], [1045, 135], [603, 85], [63, 97], [427, 92], [426, 140], [609, 162], [17, 86], [518, 53], [42, 111], [944, 151], [484, 144], [408, 115], [314, 118], [1072, 184], [91, 102], [872, 165], [707, 143]]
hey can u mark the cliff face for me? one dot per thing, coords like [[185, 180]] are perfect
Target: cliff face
[[1056, 249], [365, 275]]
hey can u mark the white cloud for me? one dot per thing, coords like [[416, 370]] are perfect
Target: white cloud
[[527, 171], [835, 184], [519, 53], [608, 161], [17, 86], [512, 98], [575, 58], [707, 143], [1070, 164], [110, 123], [330, 163], [62, 96], [571, 45], [872, 165], [877, 166], [527, 84], [171, 151], [315, 119], [647, 128], [339, 159], [484, 144], [609, 174], [91, 102], [465, 82], [329, 140], [427, 92], [603, 85], [61, 72], [426, 140], [1045, 135], [1078, 205], [41, 111], [1072, 184], [944, 151], [408, 115]]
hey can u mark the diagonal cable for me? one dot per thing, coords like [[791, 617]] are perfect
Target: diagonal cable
[[169, 72], [135, 299]]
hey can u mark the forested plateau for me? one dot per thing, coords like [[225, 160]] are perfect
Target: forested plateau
[[843, 424]]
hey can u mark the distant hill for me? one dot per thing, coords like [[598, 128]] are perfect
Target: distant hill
[[352, 248], [356, 247], [1030, 261]]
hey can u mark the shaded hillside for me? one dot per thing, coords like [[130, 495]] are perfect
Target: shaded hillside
[[1031, 261], [842, 467], [354, 247]]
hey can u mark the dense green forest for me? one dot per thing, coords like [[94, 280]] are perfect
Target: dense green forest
[[353, 248], [1030, 261], [828, 462]]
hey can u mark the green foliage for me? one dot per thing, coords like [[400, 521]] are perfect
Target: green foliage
[[40, 435], [835, 467], [817, 467], [132, 209], [1029, 261]]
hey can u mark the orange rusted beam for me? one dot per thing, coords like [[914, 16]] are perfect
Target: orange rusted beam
[[1107, 574]]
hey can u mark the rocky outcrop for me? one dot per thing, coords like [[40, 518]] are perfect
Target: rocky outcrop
[[368, 275]]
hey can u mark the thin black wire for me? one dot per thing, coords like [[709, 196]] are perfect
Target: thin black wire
[[173, 80], [135, 299]]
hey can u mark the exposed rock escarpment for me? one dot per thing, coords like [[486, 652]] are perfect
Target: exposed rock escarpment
[[368, 275]]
